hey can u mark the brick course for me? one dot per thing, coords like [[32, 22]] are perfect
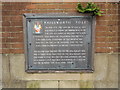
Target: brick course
[[106, 39]]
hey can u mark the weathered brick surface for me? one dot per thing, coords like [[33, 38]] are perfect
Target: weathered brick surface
[[119, 26], [107, 33]]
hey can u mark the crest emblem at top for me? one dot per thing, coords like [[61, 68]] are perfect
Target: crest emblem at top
[[37, 27]]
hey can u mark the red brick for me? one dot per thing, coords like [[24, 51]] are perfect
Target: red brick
[[6, 23], [44, 2], [106, 33], [20, 12], [16, 18], [107, 39], [1, 51], [119, 11], [101, 28], [102, 50], [6, 39], [113, 28], [39, 11], [104, 17], [53, 6], [6, 7], [17, 23], [106, 28], [102, 6], [0, 29], [54, 11], [17, 35], [12, 29], [17, 40], [104, 23], [6, 34], [5, 45], [105, 44], [119, 22], [112, 5], [18, 7], [0, 23], [12, 18], [12, 40], [70, 10], [6, 13], [16, 51], [1, 35], [42, 6], [6, 18], [111, 23], [20, 3], [113, 17], [4, 51], [0, 39], [106, 50], [31, 6], [118, 49], [6, 3], [67, 6], [0, 45], [118, 33], [84, 4], [112, 11], [19, 45]]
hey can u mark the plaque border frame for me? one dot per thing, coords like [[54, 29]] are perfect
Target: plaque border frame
[[27, 16]]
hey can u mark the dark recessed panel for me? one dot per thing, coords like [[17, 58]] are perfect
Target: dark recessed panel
[[58, 43]]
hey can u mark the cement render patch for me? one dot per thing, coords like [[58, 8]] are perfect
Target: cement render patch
[[6, 71], [33, 84], [18, 64], [69, 84], [49, 84], [112, 72], [100, 66], [105, 74], [105, 84]]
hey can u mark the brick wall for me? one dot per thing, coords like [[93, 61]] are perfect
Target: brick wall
[[119, 26], [12, 25]]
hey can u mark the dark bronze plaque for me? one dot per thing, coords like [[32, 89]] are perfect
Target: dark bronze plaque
[[58, 42]]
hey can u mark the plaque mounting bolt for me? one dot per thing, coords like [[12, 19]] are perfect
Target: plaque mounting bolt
[[58, 19], [30, 66], [88, 66]]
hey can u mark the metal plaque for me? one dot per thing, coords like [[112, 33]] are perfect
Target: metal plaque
[[58, 42]]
